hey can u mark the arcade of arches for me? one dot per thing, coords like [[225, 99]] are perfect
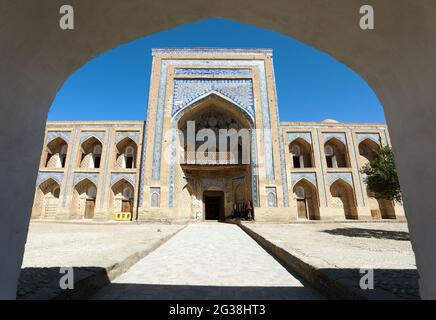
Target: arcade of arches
[[281, 171]]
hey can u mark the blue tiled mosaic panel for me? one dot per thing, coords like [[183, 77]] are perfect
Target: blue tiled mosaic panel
[[213, 71], [303, 135], [93, 177], [117, 176], [155, 197], [371, 136], [206, 183], [44, 176], [346, 176], [120, 135], [186, 91], [271, 196], [338, 135], [88, 134], [51, 135], [309, 176]]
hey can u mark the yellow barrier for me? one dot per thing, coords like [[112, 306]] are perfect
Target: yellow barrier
[[123, 216]]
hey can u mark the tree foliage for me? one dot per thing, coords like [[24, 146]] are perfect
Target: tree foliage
[[381, 175]]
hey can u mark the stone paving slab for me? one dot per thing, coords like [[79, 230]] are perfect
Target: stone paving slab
[[335, 253], [97, 252], [208, 261]]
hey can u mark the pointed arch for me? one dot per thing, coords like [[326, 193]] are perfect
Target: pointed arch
[[368, 149], [126, 153], [211, 95], [55, 153], [187, 198], [122, 196], [380, 208], [306, 196], [84, 197], [301, 153], [91, 152], [336, 153], [343, 198], [46, 199]]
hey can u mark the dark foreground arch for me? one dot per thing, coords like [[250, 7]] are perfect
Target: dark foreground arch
[[397, 59]]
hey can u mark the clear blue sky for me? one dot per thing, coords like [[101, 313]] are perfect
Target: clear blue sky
[[311, 85]]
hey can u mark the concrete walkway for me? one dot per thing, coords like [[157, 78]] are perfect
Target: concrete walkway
[[91, 249], [208, 261]]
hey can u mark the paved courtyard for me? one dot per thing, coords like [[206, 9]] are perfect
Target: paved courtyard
[[87, 247], [216, 260], [208, 261], [341, 249]]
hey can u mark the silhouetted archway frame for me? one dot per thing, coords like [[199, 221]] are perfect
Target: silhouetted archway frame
[[39, 57]]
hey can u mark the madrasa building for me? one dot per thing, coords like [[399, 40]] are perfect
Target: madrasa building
[[149, 171]]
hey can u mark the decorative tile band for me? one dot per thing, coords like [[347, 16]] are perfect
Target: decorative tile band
[[69, 170], [106, 165], [206, 183], [306, 136], [338, 135], [44, 176], [213, 71], [239, 51], [361, 199], [324, 192], [346, 176], [120, 135], [239, 91], [141, 190], [309, 176], [99, 135], [129, 177], [80, 176], [51, 135], [371, 136], [282, 149]]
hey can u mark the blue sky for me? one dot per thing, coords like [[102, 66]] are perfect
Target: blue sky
[[311, 86]]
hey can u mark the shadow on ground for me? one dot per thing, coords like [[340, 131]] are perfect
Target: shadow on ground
[[93, 283], [132, 291], [369, 233], [388, 284], [44, 283]]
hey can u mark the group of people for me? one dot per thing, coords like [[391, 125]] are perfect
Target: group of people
[[243, 210]]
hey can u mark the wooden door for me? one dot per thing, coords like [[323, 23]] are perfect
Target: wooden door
[[126, 206], [302, 209], [89, 208]]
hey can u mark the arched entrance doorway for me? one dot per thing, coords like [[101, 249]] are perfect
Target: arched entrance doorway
[[83, 204], [47, 199], [224, 164], [122, 197], [213, 205], [343, 199], [307, 200]]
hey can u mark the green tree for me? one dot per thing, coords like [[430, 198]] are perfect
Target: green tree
[[381, 175]]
